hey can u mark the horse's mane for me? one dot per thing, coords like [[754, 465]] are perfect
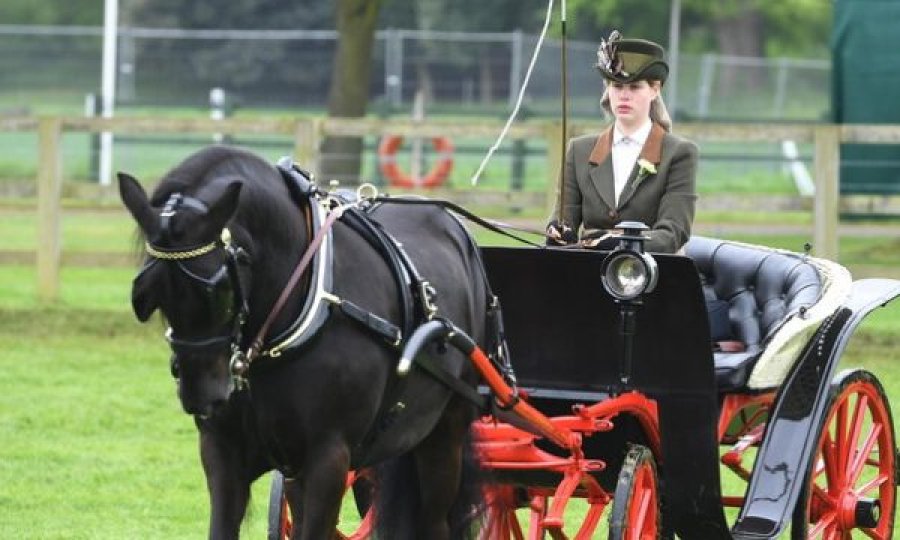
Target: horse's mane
[[205, 165], [263, 196]]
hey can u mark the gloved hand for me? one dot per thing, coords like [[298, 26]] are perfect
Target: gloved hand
[[599, 239], [560, 233]]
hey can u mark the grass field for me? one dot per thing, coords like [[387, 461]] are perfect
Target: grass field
[[94, 443]]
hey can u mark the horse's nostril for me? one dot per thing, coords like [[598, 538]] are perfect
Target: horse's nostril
[[213, 407]]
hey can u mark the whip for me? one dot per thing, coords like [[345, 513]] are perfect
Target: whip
[[565, 115], [521, 95]]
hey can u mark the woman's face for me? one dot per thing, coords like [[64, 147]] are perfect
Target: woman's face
[[630, 102]]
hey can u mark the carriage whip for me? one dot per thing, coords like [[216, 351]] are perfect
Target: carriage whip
[[565, 115], [521, 95]]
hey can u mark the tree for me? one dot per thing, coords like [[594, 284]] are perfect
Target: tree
[[731, 27], [349, 91], [258, 68]]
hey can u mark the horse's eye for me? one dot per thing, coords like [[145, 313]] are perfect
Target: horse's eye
[[221, 301]]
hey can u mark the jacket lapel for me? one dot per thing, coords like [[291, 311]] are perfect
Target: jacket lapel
[[652, 152], [601, 172]]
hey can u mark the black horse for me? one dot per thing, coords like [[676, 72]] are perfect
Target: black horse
[[324, 395]]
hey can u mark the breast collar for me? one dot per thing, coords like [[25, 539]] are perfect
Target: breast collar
[[315, 308], [320, 299]]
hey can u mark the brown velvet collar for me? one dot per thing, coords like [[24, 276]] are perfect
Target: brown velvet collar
[[652, 150]]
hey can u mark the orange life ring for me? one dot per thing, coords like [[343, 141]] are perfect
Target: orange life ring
[[387, 162]]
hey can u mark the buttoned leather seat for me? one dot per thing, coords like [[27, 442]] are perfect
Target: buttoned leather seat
[[763, 290]]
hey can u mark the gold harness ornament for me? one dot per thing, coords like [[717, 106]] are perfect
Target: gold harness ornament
[[191, 253]]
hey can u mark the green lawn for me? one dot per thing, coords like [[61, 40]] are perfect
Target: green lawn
[[94, 443]]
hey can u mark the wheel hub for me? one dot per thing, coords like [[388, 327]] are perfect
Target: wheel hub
[[867, 513], [858, 512]]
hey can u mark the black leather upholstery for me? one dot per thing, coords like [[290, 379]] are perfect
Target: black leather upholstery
[[762, 289]]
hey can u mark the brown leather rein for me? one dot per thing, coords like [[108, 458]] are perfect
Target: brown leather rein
[[240, 363]]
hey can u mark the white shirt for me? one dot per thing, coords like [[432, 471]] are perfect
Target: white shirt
[[625, 152]]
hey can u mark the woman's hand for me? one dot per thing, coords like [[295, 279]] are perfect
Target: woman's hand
[[560, 234]]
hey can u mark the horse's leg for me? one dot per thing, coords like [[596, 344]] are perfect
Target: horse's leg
[[294, 495], [438, 460], [323, 481], [228, 484]]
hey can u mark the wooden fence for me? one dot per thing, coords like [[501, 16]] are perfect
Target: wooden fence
[[308, 134]]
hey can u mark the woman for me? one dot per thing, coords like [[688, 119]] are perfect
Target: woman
[[636, 170]]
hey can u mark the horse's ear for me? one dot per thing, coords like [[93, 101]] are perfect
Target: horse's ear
[[135, 199], [221, 210]]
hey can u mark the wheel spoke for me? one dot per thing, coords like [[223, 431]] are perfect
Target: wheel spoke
[[874, 483], [820, 525], [840, 434], [861, 457], [643, 501], [872, 533], [591, 519], [829, 464], [852, 442]]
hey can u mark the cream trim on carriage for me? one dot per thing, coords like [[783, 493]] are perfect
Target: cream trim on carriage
[[784, 346]]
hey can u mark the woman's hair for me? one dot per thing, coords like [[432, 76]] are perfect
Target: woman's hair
[[659, 114]]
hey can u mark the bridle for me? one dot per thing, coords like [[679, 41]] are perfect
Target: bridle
[[225, 283], [239, 363]]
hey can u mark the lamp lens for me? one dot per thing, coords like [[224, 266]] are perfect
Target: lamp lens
[[627, 276]]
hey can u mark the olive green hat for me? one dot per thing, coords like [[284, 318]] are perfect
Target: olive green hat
[[627, 60]]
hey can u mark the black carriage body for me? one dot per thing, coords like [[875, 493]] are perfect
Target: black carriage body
[[564, 336]]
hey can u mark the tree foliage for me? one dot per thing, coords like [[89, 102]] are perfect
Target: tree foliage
[[783, 27]]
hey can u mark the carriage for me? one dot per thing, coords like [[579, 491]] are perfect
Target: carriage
[[604, 387], [625, 404]]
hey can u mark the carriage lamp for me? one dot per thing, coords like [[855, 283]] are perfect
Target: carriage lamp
[[627, 273]]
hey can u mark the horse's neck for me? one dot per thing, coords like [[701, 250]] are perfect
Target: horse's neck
[[279, 250]]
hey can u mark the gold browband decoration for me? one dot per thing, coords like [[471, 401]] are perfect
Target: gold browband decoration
[[190, 254]]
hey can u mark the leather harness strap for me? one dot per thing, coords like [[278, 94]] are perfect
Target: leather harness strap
[[257, 343], [459, 210]]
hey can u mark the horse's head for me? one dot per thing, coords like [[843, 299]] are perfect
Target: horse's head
[[192, 274]]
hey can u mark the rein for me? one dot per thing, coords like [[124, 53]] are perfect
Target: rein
[[241, 364]]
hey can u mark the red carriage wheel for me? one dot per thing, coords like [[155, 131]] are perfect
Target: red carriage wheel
[[279, 513], [518, 513], [635, 510], [500, 520], [281, 523], [851, 483]]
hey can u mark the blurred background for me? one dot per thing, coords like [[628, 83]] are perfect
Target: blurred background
[[94, 444], [744, 60]]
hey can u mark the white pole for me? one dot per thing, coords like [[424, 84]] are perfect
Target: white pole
[[108, 85], [674, 46]]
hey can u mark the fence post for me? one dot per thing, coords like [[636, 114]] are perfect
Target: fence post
[[517, 170], [515, 66], [553, 134], [825, 207], [49, 193], [307, 143]]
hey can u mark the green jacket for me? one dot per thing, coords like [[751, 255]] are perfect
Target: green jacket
[[664, 200]]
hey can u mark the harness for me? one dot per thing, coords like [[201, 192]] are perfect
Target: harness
[[416, 294]]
